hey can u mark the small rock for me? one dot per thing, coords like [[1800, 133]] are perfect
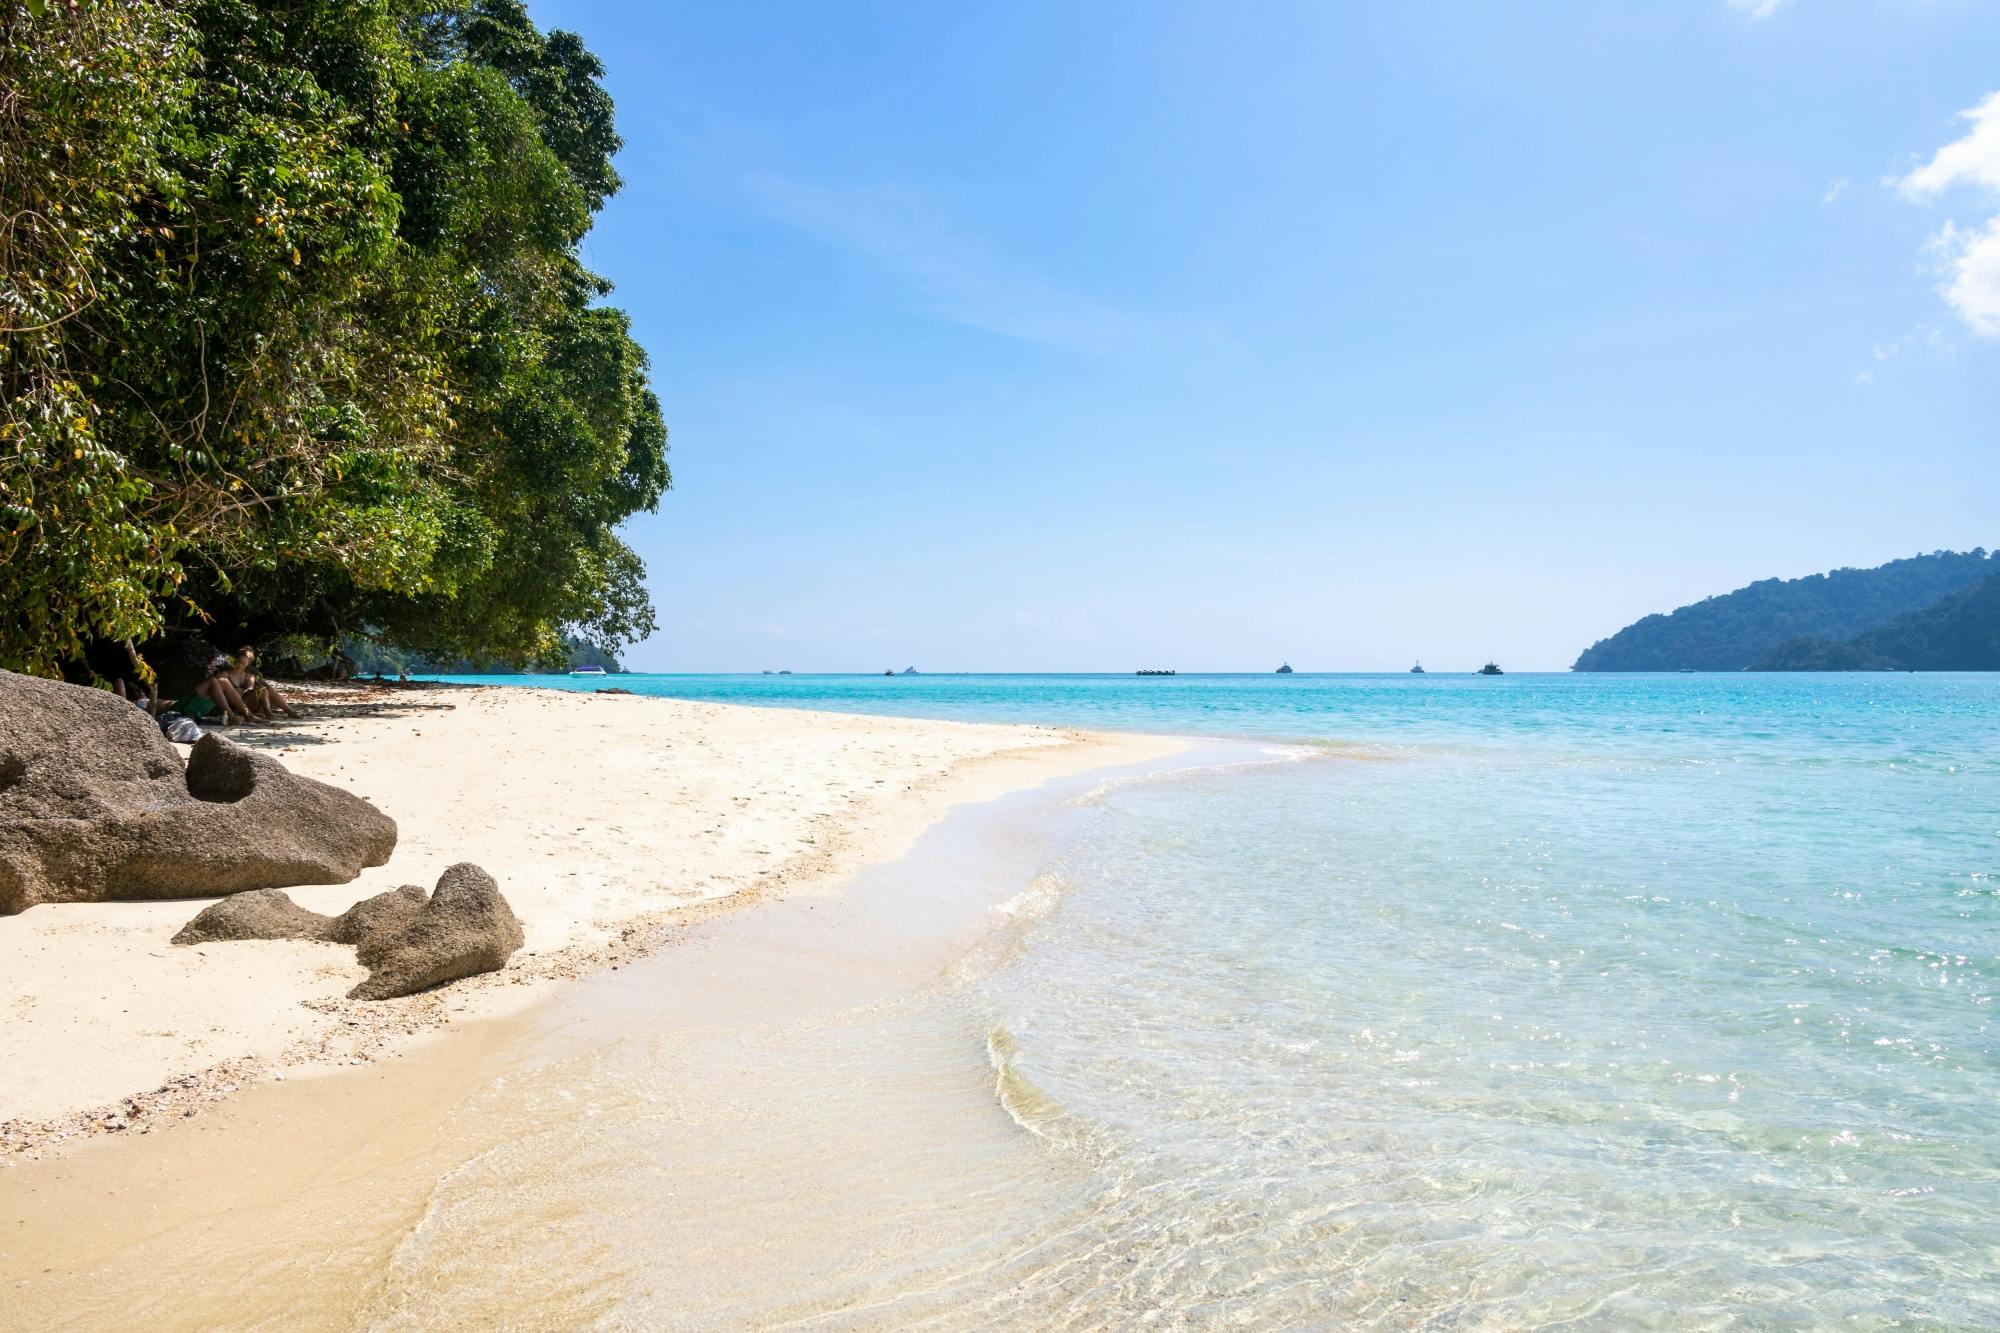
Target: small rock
[[466, 928], [261, 914], [385, 914]]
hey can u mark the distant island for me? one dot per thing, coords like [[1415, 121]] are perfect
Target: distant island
[[1959, 633], [1936, 612]]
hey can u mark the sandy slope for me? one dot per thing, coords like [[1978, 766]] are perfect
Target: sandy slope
[[606, 819]]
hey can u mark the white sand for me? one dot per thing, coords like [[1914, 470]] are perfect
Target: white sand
[[604, 818]]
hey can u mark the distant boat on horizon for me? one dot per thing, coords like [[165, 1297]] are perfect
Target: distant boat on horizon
[[1284, 670], [1491, 669], [911, 671], [1154, 671], [1418, 669]]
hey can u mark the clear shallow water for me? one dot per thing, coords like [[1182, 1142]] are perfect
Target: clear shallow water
[[1546, 999], [1777, 714]]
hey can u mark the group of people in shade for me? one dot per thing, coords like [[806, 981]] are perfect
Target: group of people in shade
[[231, 692]]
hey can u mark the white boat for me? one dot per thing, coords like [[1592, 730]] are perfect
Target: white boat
[[588, 671]]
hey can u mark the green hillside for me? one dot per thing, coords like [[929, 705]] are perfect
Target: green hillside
[[1960, 633], [1741, 629]]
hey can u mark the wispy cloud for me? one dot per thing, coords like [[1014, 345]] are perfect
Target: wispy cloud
[[1835, 190], [1924, 335], [1967, 257], [1758, 9], [957, 276], [1928, 337]]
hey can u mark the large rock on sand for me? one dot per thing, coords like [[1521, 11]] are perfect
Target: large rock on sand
[[466, 928], [96, 805]]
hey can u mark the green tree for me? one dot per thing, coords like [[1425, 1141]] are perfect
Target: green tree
[[87, 96], [349, 370]]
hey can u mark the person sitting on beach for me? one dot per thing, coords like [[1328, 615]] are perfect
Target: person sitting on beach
[[215, 692], [260, 694]]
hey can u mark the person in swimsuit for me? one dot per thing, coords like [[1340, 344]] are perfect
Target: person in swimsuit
[[216, 692], [260, 694]]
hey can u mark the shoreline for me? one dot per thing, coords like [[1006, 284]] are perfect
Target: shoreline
[[376, 1198], [613, 824]]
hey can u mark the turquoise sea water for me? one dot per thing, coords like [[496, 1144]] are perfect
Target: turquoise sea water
[[1755, 711], [1609, 1000]]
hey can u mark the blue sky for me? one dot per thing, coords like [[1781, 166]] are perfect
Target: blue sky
[[1057, 336]]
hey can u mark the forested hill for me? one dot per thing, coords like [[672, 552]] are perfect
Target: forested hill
[[1960, 633], [1739, 629]]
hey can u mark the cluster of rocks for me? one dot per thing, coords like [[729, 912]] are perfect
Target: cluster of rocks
[[96, 805], [408, 941]]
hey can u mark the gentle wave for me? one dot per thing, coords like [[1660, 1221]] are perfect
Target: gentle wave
[[1001, 944], [1029, 1105], [1273, 756]]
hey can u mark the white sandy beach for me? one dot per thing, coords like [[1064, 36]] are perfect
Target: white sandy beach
[[607, 820]]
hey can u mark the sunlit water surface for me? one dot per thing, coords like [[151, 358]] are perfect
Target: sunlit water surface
[[1454, 1002]]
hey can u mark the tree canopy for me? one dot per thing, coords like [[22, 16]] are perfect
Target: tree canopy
[[295, 337], [1737, 630]]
